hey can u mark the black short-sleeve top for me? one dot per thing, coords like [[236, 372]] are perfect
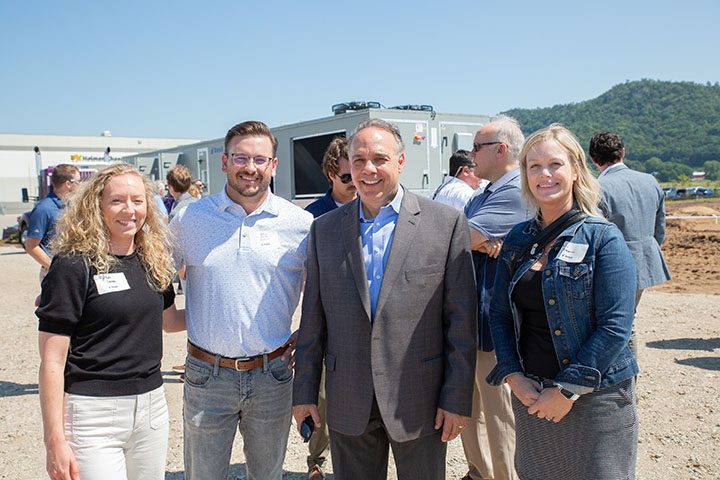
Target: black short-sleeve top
[[114, 322]]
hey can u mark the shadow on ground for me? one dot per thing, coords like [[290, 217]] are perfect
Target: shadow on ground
[[19, 252], [707, 344], [237, 472], [12, 389], [706, 363]]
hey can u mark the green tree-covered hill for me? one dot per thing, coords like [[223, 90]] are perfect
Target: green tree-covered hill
[[677, 123]]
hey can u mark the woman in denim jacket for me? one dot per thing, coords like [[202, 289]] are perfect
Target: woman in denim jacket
[[561, 331]]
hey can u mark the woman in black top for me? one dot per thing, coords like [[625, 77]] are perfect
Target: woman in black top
[[104, 303]]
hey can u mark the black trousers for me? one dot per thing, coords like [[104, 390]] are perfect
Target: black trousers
[[365, 457]]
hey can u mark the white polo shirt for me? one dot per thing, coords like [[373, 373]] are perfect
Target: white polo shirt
[[453, 192], [245, 272]]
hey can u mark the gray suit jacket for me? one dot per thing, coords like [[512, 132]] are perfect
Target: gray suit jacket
[[634, 202], [419, 352]]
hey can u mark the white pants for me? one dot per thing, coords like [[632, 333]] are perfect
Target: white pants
[[118, 438]]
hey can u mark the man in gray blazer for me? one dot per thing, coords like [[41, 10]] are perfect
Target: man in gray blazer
[[634, 202], [389, 305]]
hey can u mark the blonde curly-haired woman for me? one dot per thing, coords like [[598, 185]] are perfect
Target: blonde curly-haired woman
[[104, 303]]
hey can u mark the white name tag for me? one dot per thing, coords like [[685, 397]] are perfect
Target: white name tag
[[573, 252], [265, 240], [111, 282]]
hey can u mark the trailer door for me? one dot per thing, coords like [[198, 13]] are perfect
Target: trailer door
[[416, 173]]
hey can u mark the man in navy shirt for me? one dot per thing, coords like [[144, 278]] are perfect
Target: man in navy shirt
[[337, 170], [41, 228]]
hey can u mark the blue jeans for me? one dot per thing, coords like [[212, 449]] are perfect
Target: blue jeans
[[218, 400]]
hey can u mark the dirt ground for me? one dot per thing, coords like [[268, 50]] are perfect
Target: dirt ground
[[678, 389], [692, 247]]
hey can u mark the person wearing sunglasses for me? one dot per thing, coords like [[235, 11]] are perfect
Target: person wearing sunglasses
[[41, 228], [489, 440], [336, 168], [456, 190]]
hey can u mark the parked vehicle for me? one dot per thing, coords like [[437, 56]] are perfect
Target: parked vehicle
[[23, 222], [695, 192], [706, 192], [671, 193]]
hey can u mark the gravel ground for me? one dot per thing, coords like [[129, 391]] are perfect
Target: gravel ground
[[677, 389]]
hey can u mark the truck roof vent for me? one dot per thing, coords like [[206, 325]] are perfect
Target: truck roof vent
[[340, 108], [416, 108]]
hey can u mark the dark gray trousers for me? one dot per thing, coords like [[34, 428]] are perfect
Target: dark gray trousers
[[365, 457]]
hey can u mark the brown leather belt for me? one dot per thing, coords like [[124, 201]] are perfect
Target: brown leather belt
[[239, 364]]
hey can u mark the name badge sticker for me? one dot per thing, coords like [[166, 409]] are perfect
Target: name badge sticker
[[265, 240], [111, 282], [573, 252]]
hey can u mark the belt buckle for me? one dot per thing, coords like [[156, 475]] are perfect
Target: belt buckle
[[240, 360]]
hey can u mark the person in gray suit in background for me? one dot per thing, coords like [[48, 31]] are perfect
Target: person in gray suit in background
[[634, 202], [389, 305]]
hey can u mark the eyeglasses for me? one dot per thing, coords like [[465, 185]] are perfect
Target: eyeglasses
[[470, 167], [241, 160], [345, 178], [478, 146]]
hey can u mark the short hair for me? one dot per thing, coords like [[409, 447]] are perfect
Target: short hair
[[159, 187], [251, 128], [337, 150], [606, 147], [508, 131], [459, 159], [586, 189], [382, 125], [179, 178], [63, 173]]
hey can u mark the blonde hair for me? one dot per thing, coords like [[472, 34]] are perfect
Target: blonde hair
[[586, 189], [81, 229], [194, 191]]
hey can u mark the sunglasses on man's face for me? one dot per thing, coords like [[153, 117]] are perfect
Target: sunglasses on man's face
[[345, 178]]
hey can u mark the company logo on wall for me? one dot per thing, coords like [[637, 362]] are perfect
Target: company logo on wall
[[76, 157]]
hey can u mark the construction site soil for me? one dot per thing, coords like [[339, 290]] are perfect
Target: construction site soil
[[678, 326], [692, 247]]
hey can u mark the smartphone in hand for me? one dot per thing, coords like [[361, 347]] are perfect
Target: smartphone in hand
[[307, 427]]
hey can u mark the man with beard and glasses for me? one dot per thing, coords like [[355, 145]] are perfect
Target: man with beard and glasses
[[244, 249]]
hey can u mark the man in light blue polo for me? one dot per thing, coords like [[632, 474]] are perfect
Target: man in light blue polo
[[245, 252], [489, 440]]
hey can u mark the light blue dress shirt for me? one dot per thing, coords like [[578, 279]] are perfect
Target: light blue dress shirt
[[377, 234]]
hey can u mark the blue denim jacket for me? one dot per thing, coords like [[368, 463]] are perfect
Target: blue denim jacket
[[589, 301]]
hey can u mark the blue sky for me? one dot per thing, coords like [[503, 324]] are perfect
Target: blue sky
[[193, 69]]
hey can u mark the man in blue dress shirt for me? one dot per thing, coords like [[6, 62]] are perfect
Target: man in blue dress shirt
[[389, 308]]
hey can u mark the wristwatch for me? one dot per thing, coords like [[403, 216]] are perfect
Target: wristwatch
[[567, 393]]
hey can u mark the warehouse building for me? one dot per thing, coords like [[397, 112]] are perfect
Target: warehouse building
[[23, 156]]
